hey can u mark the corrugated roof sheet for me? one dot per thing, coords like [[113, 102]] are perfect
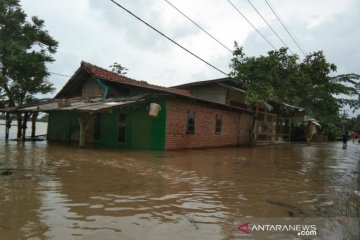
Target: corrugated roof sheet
[[79, 105]]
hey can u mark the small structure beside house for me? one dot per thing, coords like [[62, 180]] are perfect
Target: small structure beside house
[[309, 129], [97, 107]]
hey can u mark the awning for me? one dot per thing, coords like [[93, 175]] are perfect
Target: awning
[[90, 105]]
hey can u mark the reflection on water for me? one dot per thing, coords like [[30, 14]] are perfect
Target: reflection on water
[[52, 191]]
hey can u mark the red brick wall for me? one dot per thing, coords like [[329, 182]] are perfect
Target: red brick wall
[[235, 126]]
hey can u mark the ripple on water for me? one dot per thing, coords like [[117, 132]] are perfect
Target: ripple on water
[[119, 194]]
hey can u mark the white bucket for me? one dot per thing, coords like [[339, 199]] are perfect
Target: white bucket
[[154, 109]]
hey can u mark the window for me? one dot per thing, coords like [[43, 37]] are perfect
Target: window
[[218, 124], [121, 127], [97, 126], [190, 125]]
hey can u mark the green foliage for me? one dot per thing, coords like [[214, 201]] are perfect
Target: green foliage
[[44, 118], [118, 68], [352, 124], [279, 76], [25, 48]]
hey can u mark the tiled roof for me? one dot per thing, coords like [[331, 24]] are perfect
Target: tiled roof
[[107, 75]]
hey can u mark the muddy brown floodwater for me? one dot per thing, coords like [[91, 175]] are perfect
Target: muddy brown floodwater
[[54, 191]]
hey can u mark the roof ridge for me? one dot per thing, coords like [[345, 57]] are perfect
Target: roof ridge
[[111, 76], [90, 65]]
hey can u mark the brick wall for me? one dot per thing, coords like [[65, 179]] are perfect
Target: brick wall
[[235, 126]]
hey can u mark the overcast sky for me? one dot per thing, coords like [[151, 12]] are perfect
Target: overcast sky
[[99, 32]]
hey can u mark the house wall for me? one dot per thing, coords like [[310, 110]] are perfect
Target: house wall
[[245, 124], [237, 98], [142, 131], [235, 126], [63, 126], [91, 88]]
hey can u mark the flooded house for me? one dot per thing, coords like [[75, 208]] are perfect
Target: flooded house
[[226, 91], [273, 121], [97, 107]]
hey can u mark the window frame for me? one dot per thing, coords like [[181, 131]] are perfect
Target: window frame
[[190, 124], [218, 124]]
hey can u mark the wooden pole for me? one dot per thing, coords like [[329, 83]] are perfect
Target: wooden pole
[[19, 125], [7, 125], [26, 118], [83, 119], [33, 124], [289, 130], [254, 127]]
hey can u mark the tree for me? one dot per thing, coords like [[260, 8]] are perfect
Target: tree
[[118, 68], [25, 49], [326, 94], [279, 76]]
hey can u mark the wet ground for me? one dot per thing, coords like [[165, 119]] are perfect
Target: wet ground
[[54, 191]]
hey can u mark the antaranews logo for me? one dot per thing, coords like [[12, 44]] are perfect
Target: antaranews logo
[[300, 229], [244, 228]]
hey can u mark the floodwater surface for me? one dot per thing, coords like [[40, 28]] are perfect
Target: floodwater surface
[[55, 191]]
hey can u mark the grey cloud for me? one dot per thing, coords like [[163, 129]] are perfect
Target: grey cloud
[[338, 37], [136, 32]]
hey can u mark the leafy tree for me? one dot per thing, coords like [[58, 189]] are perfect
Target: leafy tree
[[326, 94], [279, 76], [25, 49], [353, 79], [44, 118], [118, 68]]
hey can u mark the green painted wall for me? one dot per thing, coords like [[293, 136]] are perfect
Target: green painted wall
[[142, 131], [62, 126]]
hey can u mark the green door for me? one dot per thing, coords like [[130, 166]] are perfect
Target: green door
[[142, 128]]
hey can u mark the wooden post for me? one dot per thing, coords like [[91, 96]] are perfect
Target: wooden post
[[19, 123], [273, 127], [33, 124], [254, 127], [289, 130], [26, 118], [83, 119], [7, 125]]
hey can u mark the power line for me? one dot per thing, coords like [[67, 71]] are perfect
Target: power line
[[223, 45], [251, 24], [168, 38], [172, 5], [285, 27], [58, 74], [269, 25]]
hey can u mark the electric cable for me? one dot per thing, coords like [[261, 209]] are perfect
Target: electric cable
[[252, 24], [272, 29], [272, 9], [172, 5], [168, 38]]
